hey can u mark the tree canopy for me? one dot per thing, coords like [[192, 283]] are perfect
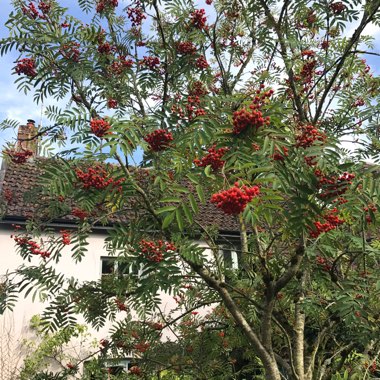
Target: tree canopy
[[243, 106]]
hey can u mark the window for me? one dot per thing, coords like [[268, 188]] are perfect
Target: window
[[116, 367], [109, 367], [113, 266], [229, 257]]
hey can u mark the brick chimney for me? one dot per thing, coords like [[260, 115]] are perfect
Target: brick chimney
[[25, 140]]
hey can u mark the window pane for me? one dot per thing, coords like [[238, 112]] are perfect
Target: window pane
[[227, 258], [123, 268], [230, 258], [115, 370], [108, 265]]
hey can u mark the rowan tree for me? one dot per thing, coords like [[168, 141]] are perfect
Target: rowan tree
[[242, 104]]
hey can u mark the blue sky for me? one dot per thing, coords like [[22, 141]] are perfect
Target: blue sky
[[15, 105]]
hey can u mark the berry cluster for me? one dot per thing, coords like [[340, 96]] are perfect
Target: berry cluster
[[280, 154], [308, 135], [103, 5], [66, 237], [156, 325], [104, 342], [234, 200], [311, 17], [198, 89], [100, 127], [201, 63], [359, 102], [70, 51], [158, 140], [192, 102], [371, 208], [176, 109], [105, 48], [333, 186], [135, 370], [198, 19], [308, 53], [142, 347], [213, 158], [253, 118], [186, 47], [120, 304], [150, 62], [29, 245], [45, 7], [26, 66], [247, 119], [307, 72], [337, 8], [136, 15], [19, 157], [96, 177], [192, 107], [155, 251], [323, 263], [256, 147], [200, 112], [325, 44], [112, 103], [30, 11], [331, 222], [120, 65], [79, 213], [310, 160]]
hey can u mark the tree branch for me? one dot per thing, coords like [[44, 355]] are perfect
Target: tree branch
[[366, 19]]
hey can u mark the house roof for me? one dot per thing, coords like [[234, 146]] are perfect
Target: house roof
[[18, 182]]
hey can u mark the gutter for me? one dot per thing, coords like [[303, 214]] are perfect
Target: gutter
[[62, 223]]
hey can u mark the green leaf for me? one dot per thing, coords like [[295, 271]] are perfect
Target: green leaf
[[168, 220], [165, 209], [200, 193], [193, 203], [179, 218], [208, 172], [169, 200], [187, 212]]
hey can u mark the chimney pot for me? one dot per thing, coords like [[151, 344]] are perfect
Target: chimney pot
[[26, 138]]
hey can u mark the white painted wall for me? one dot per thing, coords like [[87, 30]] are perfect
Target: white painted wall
[[86, 270]]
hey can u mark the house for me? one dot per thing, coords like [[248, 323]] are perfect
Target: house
[[19, 180]]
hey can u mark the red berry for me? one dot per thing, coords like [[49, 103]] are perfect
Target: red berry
[[213, 158], [198, 19], [155, 251], [26, 66], [159, 140], [186, 47], [150, 62], [100, 127], [201, 63], [234, 200]]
